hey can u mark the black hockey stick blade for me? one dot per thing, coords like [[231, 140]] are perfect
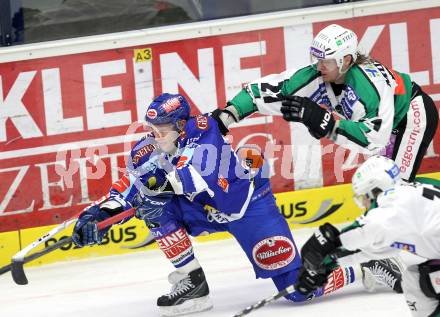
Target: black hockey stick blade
[[18, 273], [17, 269], [20, 259], [265, 301]]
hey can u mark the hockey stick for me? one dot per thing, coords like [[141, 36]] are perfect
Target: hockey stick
[[338, 278], [148, 241], [22, 253], [19, 259], [266, 301]]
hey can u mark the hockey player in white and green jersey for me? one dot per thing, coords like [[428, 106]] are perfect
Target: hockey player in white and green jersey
[[400, 217], [350, 98]]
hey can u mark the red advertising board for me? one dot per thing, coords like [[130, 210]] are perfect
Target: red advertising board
[[66, 122]]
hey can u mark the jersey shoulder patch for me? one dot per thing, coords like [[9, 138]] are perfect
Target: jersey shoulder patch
[[202, 122], [198, 125]]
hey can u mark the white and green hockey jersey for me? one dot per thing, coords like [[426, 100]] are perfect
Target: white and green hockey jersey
[[373, 101], [404, 218]]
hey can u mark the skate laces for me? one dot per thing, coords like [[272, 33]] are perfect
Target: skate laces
[[181, 287], [383, 274]]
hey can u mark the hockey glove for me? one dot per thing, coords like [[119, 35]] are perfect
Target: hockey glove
[[310, 281], [150, 207], [86, 230], [318, 120], [321, 244], [225, 118]]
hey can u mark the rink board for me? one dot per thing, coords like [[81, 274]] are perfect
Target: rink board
[[304, 208], [71, 107]]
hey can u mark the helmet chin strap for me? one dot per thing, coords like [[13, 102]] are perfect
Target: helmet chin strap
[[341, 72]]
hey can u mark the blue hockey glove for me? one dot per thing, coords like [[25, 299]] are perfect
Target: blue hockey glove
[[86, 230], [318, 120], [149, 207]]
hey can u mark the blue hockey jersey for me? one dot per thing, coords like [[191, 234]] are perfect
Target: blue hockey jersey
[[211, 174]]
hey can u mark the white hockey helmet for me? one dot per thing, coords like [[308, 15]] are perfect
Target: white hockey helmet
[[334, 42], [377, 174]]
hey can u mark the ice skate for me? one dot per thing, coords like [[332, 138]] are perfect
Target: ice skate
[[189, 294]]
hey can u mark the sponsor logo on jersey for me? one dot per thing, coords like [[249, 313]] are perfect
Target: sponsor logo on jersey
[[371, 71], [202, 122], [171, 104], [176, 246], [152, 113], [122, 184], [348, 101], [223, 183], [335, 281], [182, 161], [192, 141], [274, 253], [414, 121], [216, 215], [250, 157], [404, 246], [317, 53], [393, 172], [320, 96], [145, 150]]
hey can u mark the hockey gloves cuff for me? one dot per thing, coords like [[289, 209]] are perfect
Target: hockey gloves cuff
[[318, 120], [310, 281], [225, 118], [314, 272], [321, 244]]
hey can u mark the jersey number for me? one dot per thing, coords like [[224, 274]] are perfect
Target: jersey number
[[431, 193]]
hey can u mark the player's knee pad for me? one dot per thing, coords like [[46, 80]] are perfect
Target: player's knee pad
[[430, 278]]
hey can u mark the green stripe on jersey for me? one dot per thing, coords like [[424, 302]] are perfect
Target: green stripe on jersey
[[354, 131], [243, 103], [299, 79], [255, 90], [365, 88]]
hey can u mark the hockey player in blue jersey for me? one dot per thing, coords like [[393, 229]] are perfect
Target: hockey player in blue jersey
[[184, 178]]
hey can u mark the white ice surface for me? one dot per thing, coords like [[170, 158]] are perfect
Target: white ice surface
[[128, 286]]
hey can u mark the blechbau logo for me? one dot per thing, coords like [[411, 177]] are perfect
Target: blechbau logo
[[299, 209]]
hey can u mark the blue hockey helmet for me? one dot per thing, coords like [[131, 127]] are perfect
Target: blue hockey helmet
[[168, 108]]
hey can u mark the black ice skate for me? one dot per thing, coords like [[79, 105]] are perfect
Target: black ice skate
[[385, 272], [189, 294]]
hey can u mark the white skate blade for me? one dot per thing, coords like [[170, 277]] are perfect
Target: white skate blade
[[188, 307], [371, 282], [368, 280]]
